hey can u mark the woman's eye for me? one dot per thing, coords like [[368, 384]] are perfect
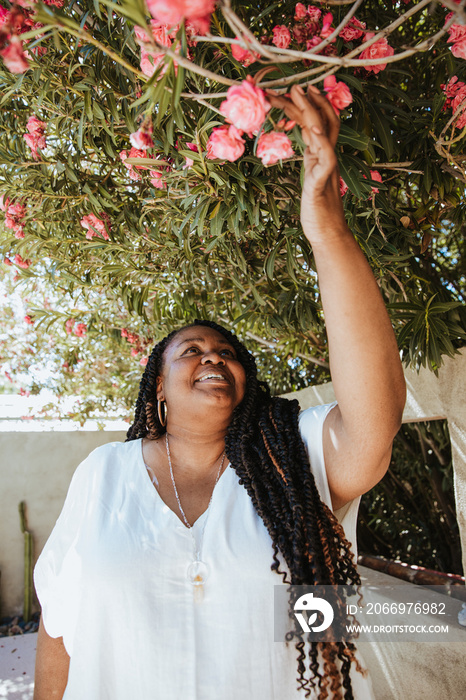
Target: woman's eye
[[228, 352], [192, 349]]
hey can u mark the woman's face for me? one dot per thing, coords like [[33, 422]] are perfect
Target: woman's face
[[200, 369]]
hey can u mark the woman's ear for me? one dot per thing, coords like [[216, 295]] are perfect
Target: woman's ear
[[159, 389]]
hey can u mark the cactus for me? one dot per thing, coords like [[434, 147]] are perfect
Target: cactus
[[27, 606]]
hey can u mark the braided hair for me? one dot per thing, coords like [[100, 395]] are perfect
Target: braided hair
[[264, 446]]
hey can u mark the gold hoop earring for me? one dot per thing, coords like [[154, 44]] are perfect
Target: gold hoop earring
[[162, 414]]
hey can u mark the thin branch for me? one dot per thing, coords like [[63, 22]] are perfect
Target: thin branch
[[273, 345]]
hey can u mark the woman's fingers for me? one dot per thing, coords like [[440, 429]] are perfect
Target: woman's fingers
[[327, 113], [310, 115], [290, 109]]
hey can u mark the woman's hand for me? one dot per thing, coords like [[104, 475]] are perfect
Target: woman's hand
[[322, 215]]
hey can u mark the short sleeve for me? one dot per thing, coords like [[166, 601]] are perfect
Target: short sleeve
[[57, 574], [311, 425]]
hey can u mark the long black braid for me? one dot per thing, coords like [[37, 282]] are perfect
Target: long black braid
[[265, 448]]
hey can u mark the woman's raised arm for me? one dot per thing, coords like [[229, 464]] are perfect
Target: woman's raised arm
[[364, 360]]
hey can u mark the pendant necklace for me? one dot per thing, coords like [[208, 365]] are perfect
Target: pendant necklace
[[198, 570]]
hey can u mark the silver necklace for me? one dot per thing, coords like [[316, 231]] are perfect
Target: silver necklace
[[198, 570]]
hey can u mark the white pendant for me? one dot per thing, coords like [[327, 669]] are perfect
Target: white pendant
[[197, 574]]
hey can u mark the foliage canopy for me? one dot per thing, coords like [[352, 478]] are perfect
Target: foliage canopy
[[219, 239]]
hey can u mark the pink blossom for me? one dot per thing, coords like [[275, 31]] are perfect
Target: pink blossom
[[225, 142], [94, 226], [375, 175], [353, 30], [188, 164], [338, 93], [243, 56], [459, 48], [134, 352], [143, 361], [14, 57], [23, 264], [35, 126], [80, 330], [14, 215], [343, 187], [174, 11], [124, 332], [326, 26], [28, 319], [300, 11], [7, 261], [134, 153], [281, 37], [312, 43], [192, 147], [142, 138], [457, 32], [197, 26], [313, 13], [380, 49], [69, 325], [156, 180], [3, 15], [245, 107], [273, 147], [150, 59]]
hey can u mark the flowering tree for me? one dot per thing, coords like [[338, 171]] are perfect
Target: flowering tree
[[146, 171]]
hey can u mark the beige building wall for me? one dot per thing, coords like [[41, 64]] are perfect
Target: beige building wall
[[35, 467]]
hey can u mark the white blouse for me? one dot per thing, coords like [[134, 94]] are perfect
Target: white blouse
[[112, 582]]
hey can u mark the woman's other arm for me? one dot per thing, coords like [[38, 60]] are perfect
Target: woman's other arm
[[52, 664], [364, 359]]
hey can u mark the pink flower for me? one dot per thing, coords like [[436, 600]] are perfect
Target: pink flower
[[313, 13], [29, 320], [281, 36], [80, 330], [300, 11], [225, 142], [150, 59], [192, 147], [134, 352], [124, 332], [35, 126], [174, 11], [459, 48], [326, 26], [338, 94], [245, 107], [23, 264], [14, 215], [380, 49], [243, 56], [273, 147], [353, 30], [14, 57], [188, 164], [94, 226], [343, 187], [134, 153], [143, 361], [7, 261], [69, 325], [142, 138], [156, 180], [375, 175]]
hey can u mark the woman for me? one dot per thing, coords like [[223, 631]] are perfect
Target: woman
[[165, 589]]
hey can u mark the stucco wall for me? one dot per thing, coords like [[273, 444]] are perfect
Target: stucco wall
[[35, 467]]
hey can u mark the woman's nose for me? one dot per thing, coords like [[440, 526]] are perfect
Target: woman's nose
[[212, 356]]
